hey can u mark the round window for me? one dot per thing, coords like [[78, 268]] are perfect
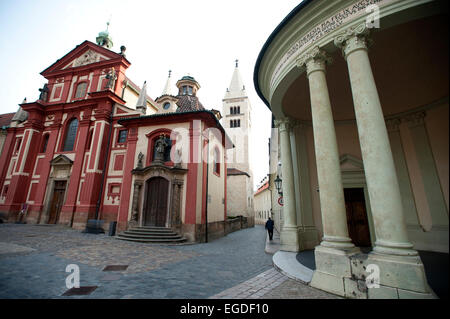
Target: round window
[[166, 106]]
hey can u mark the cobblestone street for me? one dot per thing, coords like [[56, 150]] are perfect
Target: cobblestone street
[[33, 260]]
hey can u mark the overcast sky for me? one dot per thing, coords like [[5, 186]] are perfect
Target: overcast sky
[[198, 37]]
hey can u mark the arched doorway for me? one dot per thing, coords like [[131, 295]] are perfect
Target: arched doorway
[[156, 201]]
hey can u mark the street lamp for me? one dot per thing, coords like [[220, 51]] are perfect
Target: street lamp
[[278, 184]]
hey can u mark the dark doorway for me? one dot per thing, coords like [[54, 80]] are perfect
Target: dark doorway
[[57, 201], [156, 202], [358, 224]]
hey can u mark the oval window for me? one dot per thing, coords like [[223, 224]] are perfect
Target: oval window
[[166, 106]]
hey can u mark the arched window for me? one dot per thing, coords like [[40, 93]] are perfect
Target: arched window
[[216, 168], [231, 110], [81, 90], [238, 123], [231, 123], [44, 143], [238, 110], [71, 134]]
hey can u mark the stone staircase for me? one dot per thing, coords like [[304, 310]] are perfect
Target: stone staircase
[[151, 234]]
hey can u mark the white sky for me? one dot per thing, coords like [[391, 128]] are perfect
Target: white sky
[[199, 37]]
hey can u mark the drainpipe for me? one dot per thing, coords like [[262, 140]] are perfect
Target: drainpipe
[[206, 200]]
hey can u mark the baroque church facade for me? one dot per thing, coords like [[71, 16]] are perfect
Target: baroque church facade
[[95, 146]]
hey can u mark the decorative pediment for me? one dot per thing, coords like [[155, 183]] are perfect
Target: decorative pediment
[[61, 160], [350, 162], [88, 57], [83, 54]]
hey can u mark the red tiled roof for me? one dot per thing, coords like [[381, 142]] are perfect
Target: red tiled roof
[[263, 187], [5, 119], [188, 103]]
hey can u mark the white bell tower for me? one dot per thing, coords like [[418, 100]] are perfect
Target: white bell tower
[[236, 120]]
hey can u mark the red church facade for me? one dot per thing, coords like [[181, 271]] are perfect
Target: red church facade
[[80, 152]]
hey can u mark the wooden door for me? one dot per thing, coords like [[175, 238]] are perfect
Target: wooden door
[[57, 201], [358, 224], [156, 202]]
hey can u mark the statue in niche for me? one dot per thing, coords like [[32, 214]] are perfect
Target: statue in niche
[[140, 163], [111, 76], [160, 148], [44, 93]]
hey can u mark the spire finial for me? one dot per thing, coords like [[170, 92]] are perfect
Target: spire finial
[[237, 61], [170, 72]]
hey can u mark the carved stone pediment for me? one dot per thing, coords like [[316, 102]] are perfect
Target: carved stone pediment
[[351, 163], [87, 57], [61, 160]]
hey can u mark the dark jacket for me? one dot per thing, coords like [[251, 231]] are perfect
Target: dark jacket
[[269, 224]]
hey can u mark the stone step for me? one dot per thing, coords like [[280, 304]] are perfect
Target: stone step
[[152, 240], [156, 231], [166, 236], [151, 234]]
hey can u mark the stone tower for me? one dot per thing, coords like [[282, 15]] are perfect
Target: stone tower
[[236, 120]]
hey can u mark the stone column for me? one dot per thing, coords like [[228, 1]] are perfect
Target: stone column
[[382, 183], [332, 203], [289, 233]]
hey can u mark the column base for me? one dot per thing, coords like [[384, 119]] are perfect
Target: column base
[[352, 274], [308, 237], [332, 267], [404, 273], [289, 239]]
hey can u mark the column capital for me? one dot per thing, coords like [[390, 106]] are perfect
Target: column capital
[[284, 124], [415, 119], [393, 125], [353, 39], [314, 60]]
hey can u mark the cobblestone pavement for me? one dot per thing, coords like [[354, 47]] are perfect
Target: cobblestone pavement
[[33, 260]]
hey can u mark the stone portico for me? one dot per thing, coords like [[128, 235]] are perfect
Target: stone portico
[[360, 97]]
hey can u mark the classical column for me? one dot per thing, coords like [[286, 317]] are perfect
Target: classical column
[[289, 232], [331, 193], [382, 183]]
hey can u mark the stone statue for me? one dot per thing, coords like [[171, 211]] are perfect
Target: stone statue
[[177, 157], [160, 147], [44, 93], [111, 76], [140, 163]]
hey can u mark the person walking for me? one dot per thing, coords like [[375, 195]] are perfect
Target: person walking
[[269, 227]]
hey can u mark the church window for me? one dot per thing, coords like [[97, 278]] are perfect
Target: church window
[[81, 90], [216, 168], [44, 143], [166, 106], [122, 136], [71, 134]]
